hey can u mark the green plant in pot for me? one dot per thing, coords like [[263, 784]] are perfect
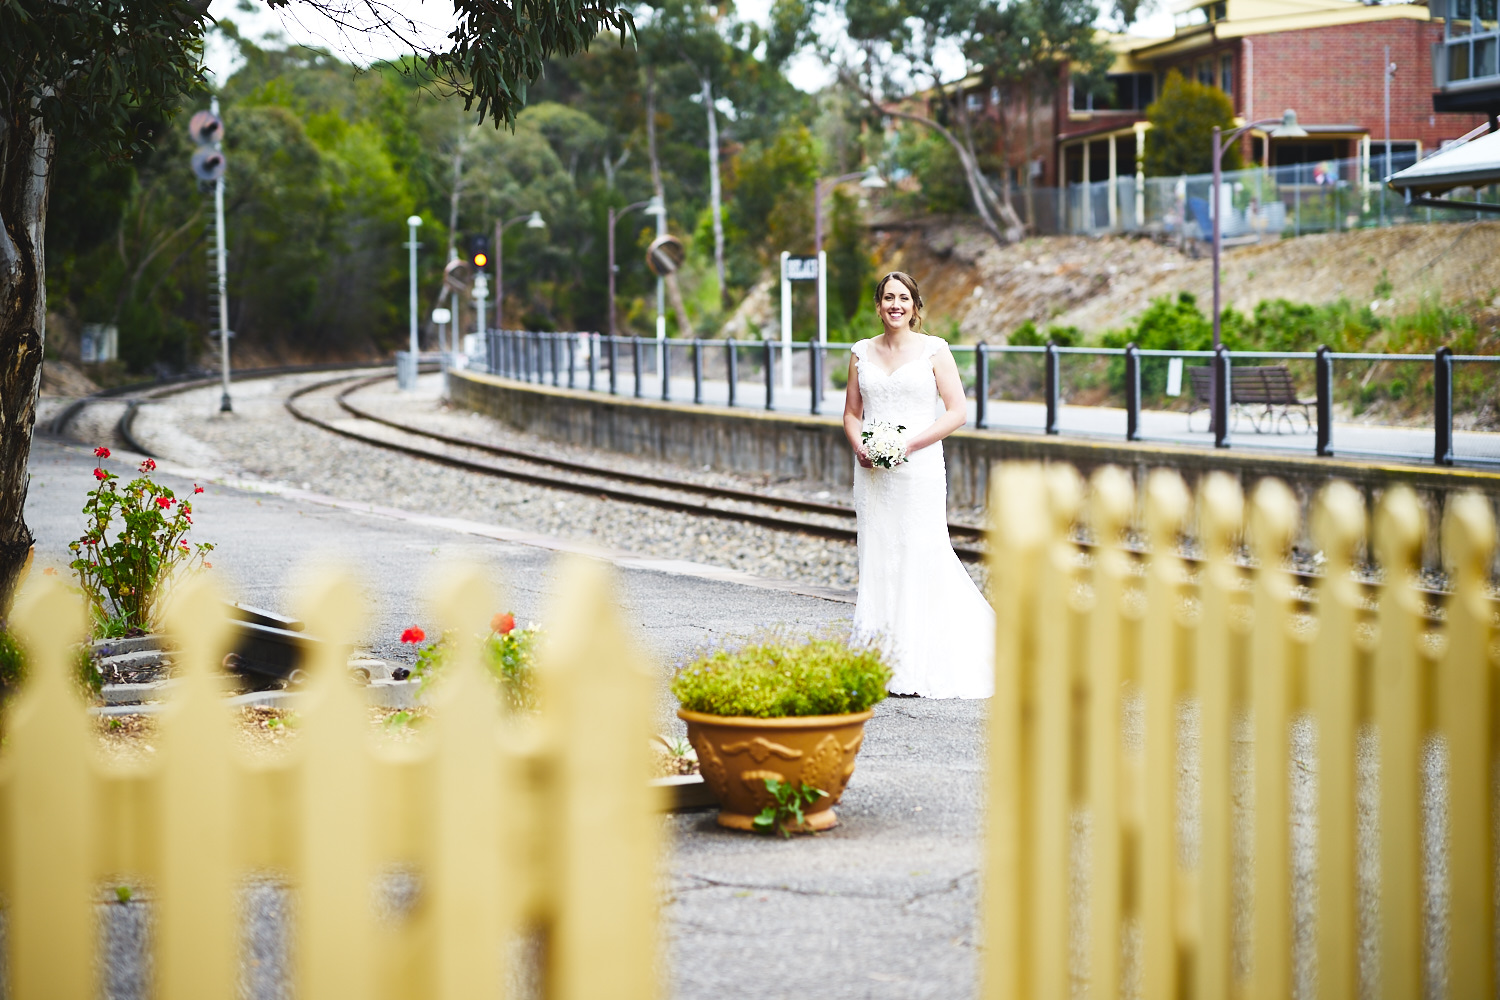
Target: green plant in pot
[[777, 722]]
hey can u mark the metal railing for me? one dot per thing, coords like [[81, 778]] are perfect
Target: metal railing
[[1091, 391], [1264, 202]]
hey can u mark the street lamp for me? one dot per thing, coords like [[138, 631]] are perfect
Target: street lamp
[[653, 206], [412, 223], [533, 220], [1286, 128]]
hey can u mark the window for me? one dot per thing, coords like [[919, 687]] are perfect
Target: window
[[1206, 72], [975, 101], [1226, 74], [1122, 92]]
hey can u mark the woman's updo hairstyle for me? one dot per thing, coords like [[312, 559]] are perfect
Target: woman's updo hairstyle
[[915, 322]]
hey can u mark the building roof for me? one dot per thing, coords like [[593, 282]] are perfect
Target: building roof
[[1261, 17], [1470, 164]]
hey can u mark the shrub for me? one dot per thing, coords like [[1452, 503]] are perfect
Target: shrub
[[776, 675], [123, 576], [13, 667], [509, 654]]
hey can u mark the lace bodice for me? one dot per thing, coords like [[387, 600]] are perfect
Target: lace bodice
[[906, 396]]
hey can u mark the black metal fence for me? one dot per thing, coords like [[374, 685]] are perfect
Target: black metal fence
[[1386, 403]]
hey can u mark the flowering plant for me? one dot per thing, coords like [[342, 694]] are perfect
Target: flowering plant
[[885, 443], [136, 541], [509, 654]]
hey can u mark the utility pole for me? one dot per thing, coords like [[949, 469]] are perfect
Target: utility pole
[[412, 222]]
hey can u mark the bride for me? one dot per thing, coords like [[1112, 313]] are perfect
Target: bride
[[913, 592]]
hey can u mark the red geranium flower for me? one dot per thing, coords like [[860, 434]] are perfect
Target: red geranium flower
[[197, 488], [413, 635], [149, 465], [165, 503], [503, 623], [101, 452], [100, 475]]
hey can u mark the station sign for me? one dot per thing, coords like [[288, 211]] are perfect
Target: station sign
[[801, 267]]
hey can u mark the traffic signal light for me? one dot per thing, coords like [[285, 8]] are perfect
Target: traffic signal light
[[479, 250]]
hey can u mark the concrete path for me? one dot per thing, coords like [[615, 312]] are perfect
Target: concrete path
[[881, 907]]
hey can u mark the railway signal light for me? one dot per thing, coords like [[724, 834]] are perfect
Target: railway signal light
[[479, 250]]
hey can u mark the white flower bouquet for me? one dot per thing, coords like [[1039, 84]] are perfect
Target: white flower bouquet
[[885, 443]]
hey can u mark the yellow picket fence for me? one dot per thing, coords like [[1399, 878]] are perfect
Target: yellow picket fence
[[1205, 783], [507, 829]]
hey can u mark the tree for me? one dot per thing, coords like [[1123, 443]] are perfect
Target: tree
[[1182, 119], [902, 42], [89, 71], [1026, 48]]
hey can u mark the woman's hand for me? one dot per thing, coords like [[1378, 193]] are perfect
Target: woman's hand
[[863, 457]]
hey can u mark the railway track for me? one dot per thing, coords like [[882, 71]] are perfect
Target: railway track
[[823, 520]]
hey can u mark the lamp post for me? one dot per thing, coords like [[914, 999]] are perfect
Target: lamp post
[[653, 206], [868, 178], [412, 222], [1286, 128], [533, 220], [1219, 394]]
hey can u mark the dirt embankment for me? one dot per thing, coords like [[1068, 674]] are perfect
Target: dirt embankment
[[1101, 283]]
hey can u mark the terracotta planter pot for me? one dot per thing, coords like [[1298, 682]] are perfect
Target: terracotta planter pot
[[736, 755]]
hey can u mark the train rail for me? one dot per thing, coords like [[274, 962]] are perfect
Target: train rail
[[836, 520], [826, 520]]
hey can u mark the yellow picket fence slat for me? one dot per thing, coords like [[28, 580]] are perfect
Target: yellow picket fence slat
[[1192, 762], [505, 829]]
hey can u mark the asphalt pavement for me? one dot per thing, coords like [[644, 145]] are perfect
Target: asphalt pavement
[[882, 906]]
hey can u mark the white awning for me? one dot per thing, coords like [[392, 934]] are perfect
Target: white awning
[[1475, 163]]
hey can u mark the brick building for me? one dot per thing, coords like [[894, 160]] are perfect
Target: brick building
[[1323, 58]]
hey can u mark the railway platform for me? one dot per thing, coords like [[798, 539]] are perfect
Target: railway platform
[[888, 898]]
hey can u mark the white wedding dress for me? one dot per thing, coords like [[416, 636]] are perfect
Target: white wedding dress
[[914, 594]]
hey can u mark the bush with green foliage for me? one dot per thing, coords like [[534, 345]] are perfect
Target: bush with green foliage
[[779, 675], [135, 543], [1180, 140]]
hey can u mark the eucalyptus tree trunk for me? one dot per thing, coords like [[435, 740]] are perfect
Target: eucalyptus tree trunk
[[715, 195], [26, 151]]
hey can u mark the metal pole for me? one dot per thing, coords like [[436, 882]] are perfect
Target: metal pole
[[666, 378], [614, 366], [223, 275], [981, 383], [1442, 399], [1323, 368], [732, 368], [412, 222], [593, 361], [1132, 393], [697, 372], [635, 346], [771, 375], [1220, 397], [611, 243], [815, 375], [822, 304], [1052, 389], [786, 317]]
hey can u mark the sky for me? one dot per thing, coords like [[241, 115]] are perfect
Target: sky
[[430, 21]]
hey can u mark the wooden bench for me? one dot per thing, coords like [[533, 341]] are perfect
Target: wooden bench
[[1266, 396]]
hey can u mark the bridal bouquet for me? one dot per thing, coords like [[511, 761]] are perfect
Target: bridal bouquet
[[885, 443]]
